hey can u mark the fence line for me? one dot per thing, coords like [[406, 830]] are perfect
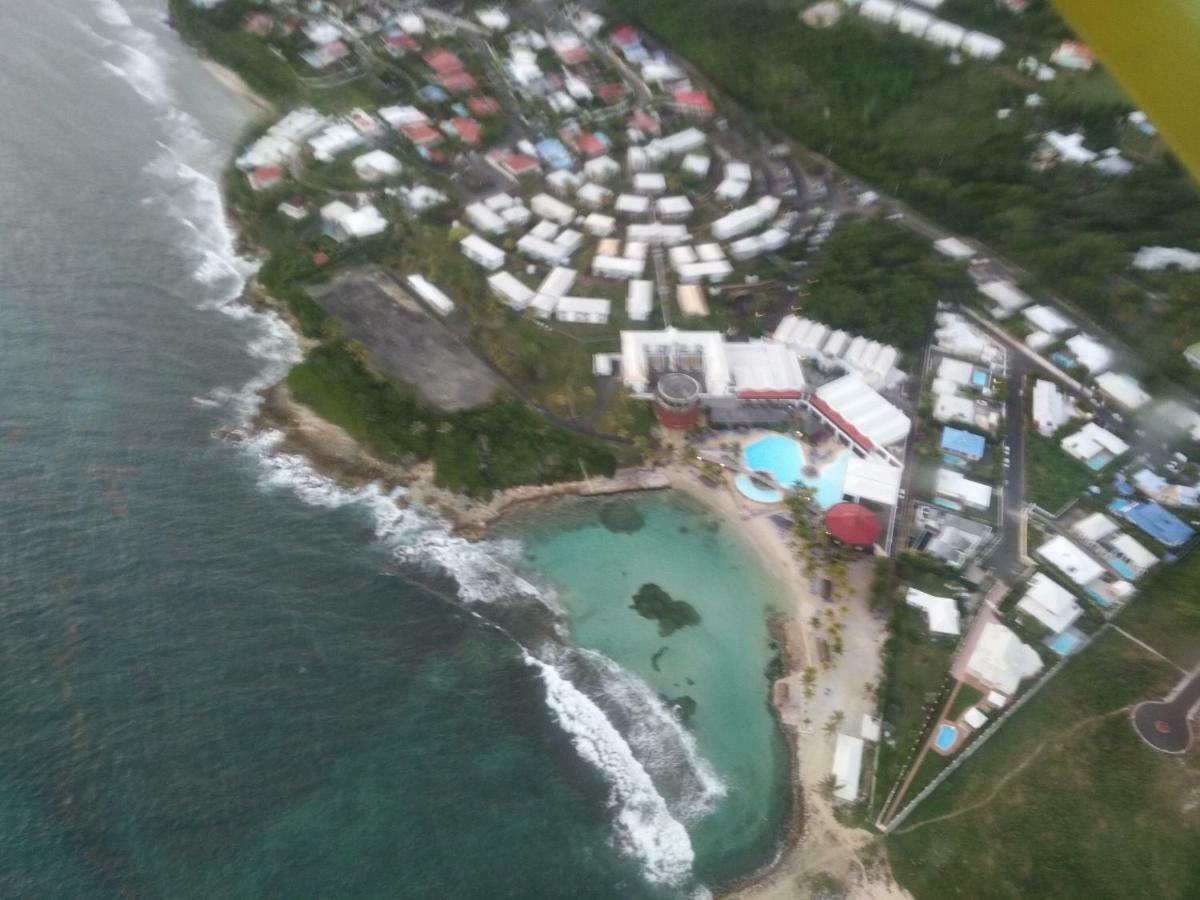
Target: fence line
[[986, 736]]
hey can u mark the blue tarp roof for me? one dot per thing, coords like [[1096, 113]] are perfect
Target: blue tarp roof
[[431, 93], [554, 153], [1163, 526], [964, 443]]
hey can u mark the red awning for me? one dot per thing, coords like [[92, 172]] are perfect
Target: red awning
[[853, 523]]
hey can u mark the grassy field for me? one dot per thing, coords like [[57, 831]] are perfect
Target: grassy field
[[1066, 800], [915, 677], [1052, 478]]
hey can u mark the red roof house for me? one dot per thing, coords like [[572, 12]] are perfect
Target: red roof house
[[459, 82], [402, 43], [483, 105], [421, 133], [516, 164], [259, 23], [590, 145], [468, 130], [625, 35], [266, 177], [696, 102], [644, 122], [853, 524], [612, 91], [443, 61]]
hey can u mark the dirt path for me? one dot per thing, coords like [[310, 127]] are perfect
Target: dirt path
[[1064, 735]]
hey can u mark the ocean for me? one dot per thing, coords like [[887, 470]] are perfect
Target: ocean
[[222, 675]]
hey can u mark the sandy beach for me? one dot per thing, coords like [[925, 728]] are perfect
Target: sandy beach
[[819, 852], [234, 83]]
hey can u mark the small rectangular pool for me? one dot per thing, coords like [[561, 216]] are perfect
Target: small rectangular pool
[[980, 378], [1064, 643], [946, 736]]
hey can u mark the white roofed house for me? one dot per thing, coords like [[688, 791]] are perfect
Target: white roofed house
[[847, 766], [940, 612], [945, 34], [872, 480], [1090, 353], [1046, 318], [954, 486], [599, 225], [588, 310], [563, 182], [1123, 389], [542, 250], [550, 208], [483, 218], [334, 140], [1137, 559], [343, 222], [696, 165], [1049, 603], [1006, 295], [981, 46], [1069, 559], [593, 196], [482, 252], [1051, 407], [376, 165], [1094, 446], [431, 294], [912, 21], [602, 168], [552, 289], [617, 267], [954, 248], [881, 11], [1095, 527], [639, 301], [711, 271], [282, 140], [570, 240], [1001, 661], [666, 234], [632, 205], [748, 218], [649, 183], [691, 299], [769, 241], [510, 290], [673, 209]]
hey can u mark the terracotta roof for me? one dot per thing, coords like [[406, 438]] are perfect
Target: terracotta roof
[[853, 523]]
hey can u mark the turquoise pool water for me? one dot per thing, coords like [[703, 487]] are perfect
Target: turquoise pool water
[[980, 378], [1123, 567], [746, 485], [947, 734], [783, 457], [1064, 643]]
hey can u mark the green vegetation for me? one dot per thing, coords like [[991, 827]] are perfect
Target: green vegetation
[[966, 698], [1052, 478], [876, 280], [652, 602], [474, 452], [1112, 817], [894, 111]]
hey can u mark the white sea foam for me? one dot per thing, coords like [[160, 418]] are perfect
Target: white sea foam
[[644, 825], [483, 571]]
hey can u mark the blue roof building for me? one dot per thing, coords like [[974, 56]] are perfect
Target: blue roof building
[[431, 93], [966, 444], [1165, 527], [553, 153]]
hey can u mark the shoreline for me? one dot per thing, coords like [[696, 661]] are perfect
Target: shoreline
[[235, 84]]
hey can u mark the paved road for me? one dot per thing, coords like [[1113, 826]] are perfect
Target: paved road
[[1006, 558], [1165, 724]]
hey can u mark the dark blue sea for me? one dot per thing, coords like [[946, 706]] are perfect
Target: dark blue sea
[[222, 675]]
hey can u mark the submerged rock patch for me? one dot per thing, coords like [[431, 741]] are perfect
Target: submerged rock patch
[[652, 602]]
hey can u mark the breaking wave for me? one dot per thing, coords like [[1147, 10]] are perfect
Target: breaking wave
[[616, 723]]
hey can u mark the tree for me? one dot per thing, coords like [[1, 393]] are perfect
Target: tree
[[827, 786], [834, 722]]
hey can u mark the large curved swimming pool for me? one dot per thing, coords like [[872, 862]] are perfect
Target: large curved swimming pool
[[783, 458]]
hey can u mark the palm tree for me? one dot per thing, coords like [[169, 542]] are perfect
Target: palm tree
[[827, 785], [835, 721]]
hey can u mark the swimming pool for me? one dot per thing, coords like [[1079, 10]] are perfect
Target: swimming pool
[[1123, 568], [980, 378], [746, 485], [783, 457], [947, 734], [1064, 643]]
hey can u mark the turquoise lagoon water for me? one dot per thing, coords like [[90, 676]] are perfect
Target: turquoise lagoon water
[[783, 457], [719, 663]]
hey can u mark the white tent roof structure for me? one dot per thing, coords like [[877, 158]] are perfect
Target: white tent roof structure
[[942, 612], [864, 410], [847, 767], [873, 480], [1001, 661], [1050, 603]]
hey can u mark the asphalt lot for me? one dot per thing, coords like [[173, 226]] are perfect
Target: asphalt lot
[[1164, 724], [405, 340]]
